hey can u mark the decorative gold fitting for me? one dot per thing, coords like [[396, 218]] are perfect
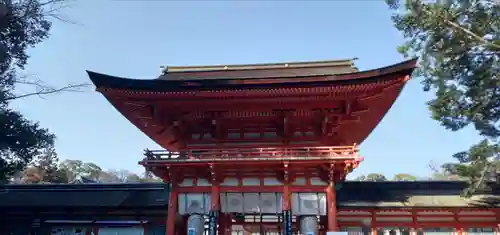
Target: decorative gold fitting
[[348, 168], [285, 172]]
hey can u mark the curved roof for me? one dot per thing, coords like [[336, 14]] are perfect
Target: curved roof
[[103, 81], [368, 94]]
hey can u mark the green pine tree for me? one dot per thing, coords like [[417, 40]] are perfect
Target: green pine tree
[[458, 42]]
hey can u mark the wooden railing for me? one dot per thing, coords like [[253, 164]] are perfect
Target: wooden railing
[[258, 154]]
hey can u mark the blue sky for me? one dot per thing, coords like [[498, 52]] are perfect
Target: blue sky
[[134, 38]]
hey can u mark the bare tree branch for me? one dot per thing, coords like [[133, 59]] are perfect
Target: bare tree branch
[[52, 9], [432, 166], [42, 89]]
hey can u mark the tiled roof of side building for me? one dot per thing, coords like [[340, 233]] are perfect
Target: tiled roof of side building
[[375, 194], [414, 194], [84, 195]]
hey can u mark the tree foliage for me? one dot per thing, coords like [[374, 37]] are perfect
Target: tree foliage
[[23, 24], [74, 169], [458, 42], [374, 177], [442, 173], [377, 177], [122, 176], [404, 177], [21, 141], [47, 170]]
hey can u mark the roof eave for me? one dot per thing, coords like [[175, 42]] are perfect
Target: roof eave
[[103, 81]]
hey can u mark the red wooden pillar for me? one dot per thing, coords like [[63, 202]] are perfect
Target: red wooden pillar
[[145, 228], [323, 221], [497, 221], [331, 206], [459, 229], [414, 224], [222, 223], [286, 210], [181, 227], [215, 197], [172, 211], [458, 226], [228, 225], [286, 189], [286, 197], [95, 229], [215, 207]]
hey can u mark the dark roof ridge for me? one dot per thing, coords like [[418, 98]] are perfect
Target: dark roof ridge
[[390, 185], [421, 184], [82, 187], [258, 66]]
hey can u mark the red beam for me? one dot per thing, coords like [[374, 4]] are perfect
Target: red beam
[[417, 209], [410, 216], [252, 189], [388, 81], [253, 105], [450, 224], [258, 141], [244, 163]]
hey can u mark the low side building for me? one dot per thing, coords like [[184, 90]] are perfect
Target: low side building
[[422, 207], [83, 209]]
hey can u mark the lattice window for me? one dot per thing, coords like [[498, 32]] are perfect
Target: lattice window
[[354, 230], [393, 231], [480, 231], [437, 231]]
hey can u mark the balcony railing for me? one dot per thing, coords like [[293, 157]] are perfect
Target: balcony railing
[[254, 154]]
